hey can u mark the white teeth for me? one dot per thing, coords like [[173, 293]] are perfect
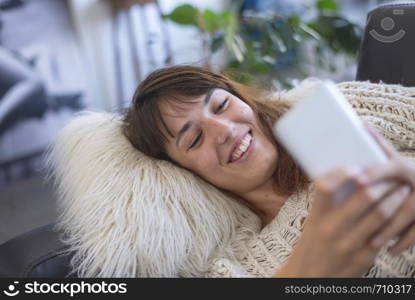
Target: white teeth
[[242, 147]]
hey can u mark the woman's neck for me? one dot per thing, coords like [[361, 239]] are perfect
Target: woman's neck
[[265, 201]]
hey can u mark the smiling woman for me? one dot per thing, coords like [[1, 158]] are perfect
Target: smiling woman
[[221, 131], [214, 127]]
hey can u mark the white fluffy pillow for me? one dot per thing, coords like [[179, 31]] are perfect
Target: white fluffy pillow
[[126, 215]]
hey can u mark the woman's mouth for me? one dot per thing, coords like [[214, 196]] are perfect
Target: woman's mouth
[[242, 148]]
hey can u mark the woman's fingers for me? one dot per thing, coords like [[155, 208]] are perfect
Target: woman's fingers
[[386, 147], [375, 205], [353, 197], [403, 217], [379, 207], [406, 239], [368, 202], [334, 186], [402, 204], [402, 223], [396, 169], [364, 230], [393, 200]]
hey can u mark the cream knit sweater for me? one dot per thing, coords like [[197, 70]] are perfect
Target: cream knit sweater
[[391, 108]]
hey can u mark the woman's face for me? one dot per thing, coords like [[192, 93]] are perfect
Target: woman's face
[[220, 139]]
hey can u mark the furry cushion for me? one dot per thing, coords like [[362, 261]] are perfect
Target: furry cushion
[[126, 215]]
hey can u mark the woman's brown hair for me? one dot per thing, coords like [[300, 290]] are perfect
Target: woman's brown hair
[[146, 130]]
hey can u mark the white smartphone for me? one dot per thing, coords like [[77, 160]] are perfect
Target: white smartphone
[[322, 132]]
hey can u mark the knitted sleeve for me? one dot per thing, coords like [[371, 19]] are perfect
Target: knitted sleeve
[[390, 108]]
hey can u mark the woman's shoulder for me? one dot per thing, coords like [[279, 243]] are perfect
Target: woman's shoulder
[[390, 108], [381, 87], [354, 89], [379, 93]]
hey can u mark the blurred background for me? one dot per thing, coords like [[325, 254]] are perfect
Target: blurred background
[[58, 57]]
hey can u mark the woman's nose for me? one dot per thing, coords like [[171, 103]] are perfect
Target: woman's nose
[[222, 130]]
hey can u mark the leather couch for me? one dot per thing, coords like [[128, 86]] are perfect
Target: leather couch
[[386, 55], [388, 46], [35, 254]]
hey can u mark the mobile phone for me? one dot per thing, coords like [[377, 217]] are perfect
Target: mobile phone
[[323, 132]]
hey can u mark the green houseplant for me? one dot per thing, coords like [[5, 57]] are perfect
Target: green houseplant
[[267, 45]]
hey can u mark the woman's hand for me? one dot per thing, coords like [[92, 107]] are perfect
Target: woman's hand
[[355, 212], [335, 239], [402, 224]]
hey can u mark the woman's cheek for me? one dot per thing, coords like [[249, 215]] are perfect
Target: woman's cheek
[[201, 165], [246, 113], [209, 162]]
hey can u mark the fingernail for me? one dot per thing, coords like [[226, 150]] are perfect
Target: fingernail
[[361, 179], [378, 242], [394, 251]]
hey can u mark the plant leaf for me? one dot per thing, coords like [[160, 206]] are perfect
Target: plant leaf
[[273, 35], [184, 15], [310, 31], [212, 21], [327, 5], [238, 47]]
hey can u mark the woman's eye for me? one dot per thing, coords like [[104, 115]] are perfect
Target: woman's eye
[[196, 141], [223, 104]]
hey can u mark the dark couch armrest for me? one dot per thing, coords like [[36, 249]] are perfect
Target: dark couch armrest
[[36, 253], [388, 45]]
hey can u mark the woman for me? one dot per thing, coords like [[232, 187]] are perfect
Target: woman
[[221, 131]]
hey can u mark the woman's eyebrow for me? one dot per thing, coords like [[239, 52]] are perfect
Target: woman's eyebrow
[[188, 124], [208, 96]]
